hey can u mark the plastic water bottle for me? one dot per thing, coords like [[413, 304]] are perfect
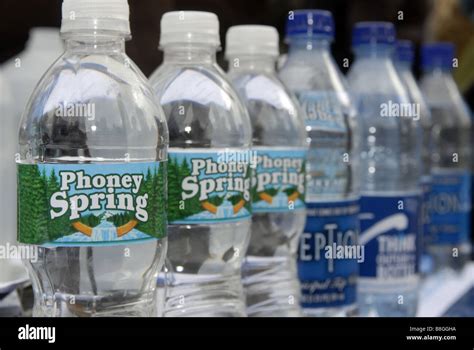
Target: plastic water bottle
[[23, 72], [390, 174], [92, 173], [450, 198], [279, 144], [404, 57], [328, 282], [209, 208], [12, 271], [7, 163]]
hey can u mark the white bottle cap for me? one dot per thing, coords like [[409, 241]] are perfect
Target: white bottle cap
[[100, 15], [190, 27], [252, 40]]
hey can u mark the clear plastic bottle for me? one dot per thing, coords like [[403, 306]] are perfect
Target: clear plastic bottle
[[44, 46], [21, 74], [404, 57], [390, 175], [209, 170], [7, 162], [92, 173], [12, 271], [450, 198], [328, 284], [279, 141]]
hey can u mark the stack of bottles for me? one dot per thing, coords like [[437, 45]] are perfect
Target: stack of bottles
[[254, 192]]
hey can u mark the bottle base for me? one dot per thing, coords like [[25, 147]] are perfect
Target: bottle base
[[342, 311], [388, 304], [204, 296], [271, 287], [453, 257], [112, 304]]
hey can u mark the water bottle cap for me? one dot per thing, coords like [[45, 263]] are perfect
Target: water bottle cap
[[309, 23], [252, 40], [373, 33], [405, 51], [437, 55], [190, 27], [103, 15]]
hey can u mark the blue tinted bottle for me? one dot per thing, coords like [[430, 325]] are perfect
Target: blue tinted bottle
[[403, 59], [328, 283], [390, 193], [450, 199]]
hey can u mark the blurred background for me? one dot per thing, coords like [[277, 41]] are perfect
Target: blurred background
[[417, 20]]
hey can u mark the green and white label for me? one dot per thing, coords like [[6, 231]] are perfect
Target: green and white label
[[208, 186], [279, 180], [90, 204]]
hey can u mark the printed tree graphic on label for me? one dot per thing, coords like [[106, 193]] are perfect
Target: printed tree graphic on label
[[292, 192], [177, 208], [237, 201], [266, 195], [212, 203], [153, 186], [35, 225], [33, 208]]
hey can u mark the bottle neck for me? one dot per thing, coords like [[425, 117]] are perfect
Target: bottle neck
[[403, 66], [437, 70], [258, 63], [179, 53], [308, 46], [382, 51], [96, 43]]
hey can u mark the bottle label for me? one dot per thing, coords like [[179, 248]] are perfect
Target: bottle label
[[328, 163], [450, 204], [278, 183], [390, 227], [329, 254], [208, 186], [323, 109], [91, 204]]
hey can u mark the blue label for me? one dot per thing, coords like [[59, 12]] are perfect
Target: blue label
[[450, 204], [323, 109], [328, 254], [390, 232]]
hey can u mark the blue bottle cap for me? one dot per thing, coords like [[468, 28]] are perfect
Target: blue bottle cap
[[373, 33], [310, 23], [405, 51], [439, 55]]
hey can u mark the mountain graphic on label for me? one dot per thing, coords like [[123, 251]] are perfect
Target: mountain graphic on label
[[393, 222]]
